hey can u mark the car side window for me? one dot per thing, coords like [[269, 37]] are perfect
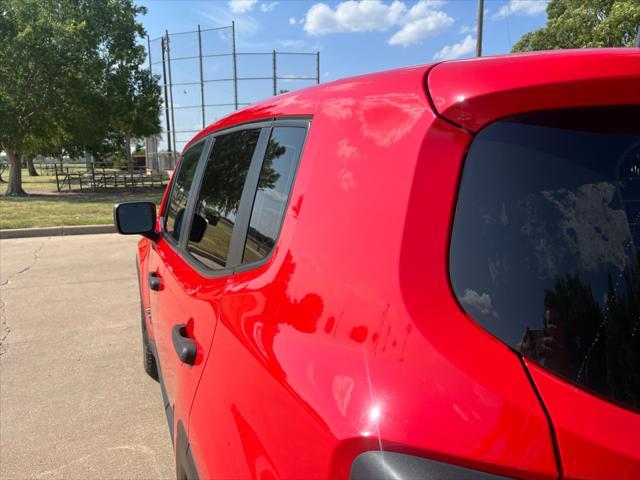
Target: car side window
[[180, 190], [217, 205], [274, 185]]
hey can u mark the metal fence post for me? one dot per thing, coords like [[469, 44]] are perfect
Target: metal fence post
[[317, 67], [173, 120], [275, 78], [149, 54], [235, 64], [201, 74], [166, 96], [55, 169]]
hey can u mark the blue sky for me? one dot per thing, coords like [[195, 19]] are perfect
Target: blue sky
[[353, 37]]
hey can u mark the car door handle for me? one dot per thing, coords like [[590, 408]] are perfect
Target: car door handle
[[154, 281], [185, 347]]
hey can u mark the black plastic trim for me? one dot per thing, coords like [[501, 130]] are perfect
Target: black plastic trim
[[240, 267], [185, 348], [168, 409], [381, 465], [150, 234], [187, 218], [163, 231], [303, 121], [239, 234], [186, 468]]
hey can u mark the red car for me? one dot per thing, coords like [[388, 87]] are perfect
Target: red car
[[430, 272]]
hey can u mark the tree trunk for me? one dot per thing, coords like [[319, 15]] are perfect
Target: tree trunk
[[14, 187], [30, 167], [127, 152]]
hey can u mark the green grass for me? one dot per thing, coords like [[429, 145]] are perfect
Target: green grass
[[37, 184], [45, 207]]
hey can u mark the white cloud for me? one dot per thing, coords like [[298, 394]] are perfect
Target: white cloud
[[481, 302], [218, 15], [464, 29], [291, 43], [241, 6], [422, 20], [522, 7], [267, 7], [457, 50], [413, 32], [292, 21]]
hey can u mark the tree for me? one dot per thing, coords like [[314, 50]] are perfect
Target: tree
[[584, 24], [30, 166], [71, 79]]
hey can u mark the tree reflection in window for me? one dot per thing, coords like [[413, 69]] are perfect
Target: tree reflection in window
[[544, 251], [217, 205], [272, 195], [180, 190]]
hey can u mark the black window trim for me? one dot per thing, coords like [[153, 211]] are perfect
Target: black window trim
[[259, 263], [245, 208], [163, 224]]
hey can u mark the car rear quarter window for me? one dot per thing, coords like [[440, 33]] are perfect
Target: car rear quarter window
[[180, 190], [272, 195], [545, 242], [219, 197]]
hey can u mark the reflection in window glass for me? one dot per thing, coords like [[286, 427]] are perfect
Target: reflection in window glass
[[180, 190], [271, 198], [219, 197], [545, 244]]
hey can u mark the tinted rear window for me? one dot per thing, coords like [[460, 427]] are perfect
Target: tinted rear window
[[545, 243]]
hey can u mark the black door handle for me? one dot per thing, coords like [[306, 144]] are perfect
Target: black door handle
[[185, 347], [154, 281]]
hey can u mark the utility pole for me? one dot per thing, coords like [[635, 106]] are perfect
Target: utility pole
[[479, 32], [235, 64], [165, 84]]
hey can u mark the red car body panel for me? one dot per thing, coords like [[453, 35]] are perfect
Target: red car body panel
[[597, 439], [349, 338], [343, 351], [473, 93]]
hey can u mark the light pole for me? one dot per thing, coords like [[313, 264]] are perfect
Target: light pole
[[479, 32]]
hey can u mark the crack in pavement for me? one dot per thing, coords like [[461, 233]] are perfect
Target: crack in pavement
[[26, 269], [5, 329]]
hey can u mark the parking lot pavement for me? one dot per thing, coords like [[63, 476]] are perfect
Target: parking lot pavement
[[74, 399]]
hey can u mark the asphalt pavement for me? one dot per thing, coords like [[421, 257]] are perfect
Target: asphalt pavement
[[74, 399]]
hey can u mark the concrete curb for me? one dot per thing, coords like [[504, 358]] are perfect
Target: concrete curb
[[56, 231]]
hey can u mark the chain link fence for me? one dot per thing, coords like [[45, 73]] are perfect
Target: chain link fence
[[203, 77]]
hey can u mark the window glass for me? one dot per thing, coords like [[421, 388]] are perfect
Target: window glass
[[217, 205], [274, 185], [545, 243], [180, 190]]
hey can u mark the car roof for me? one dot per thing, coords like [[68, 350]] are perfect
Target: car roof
[[446, 80]]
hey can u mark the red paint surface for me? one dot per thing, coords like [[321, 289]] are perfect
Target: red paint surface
[[349, 338]]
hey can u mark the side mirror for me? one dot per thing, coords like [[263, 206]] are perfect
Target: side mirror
[[135, 218]]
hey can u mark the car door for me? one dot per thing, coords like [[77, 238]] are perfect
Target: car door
[[232, 391], [197, 267], [162, 255]]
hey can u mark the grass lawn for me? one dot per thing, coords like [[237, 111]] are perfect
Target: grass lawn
[[45, 207]]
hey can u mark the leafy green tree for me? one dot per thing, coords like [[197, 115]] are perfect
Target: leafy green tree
[[71, 79], [584, 24]]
